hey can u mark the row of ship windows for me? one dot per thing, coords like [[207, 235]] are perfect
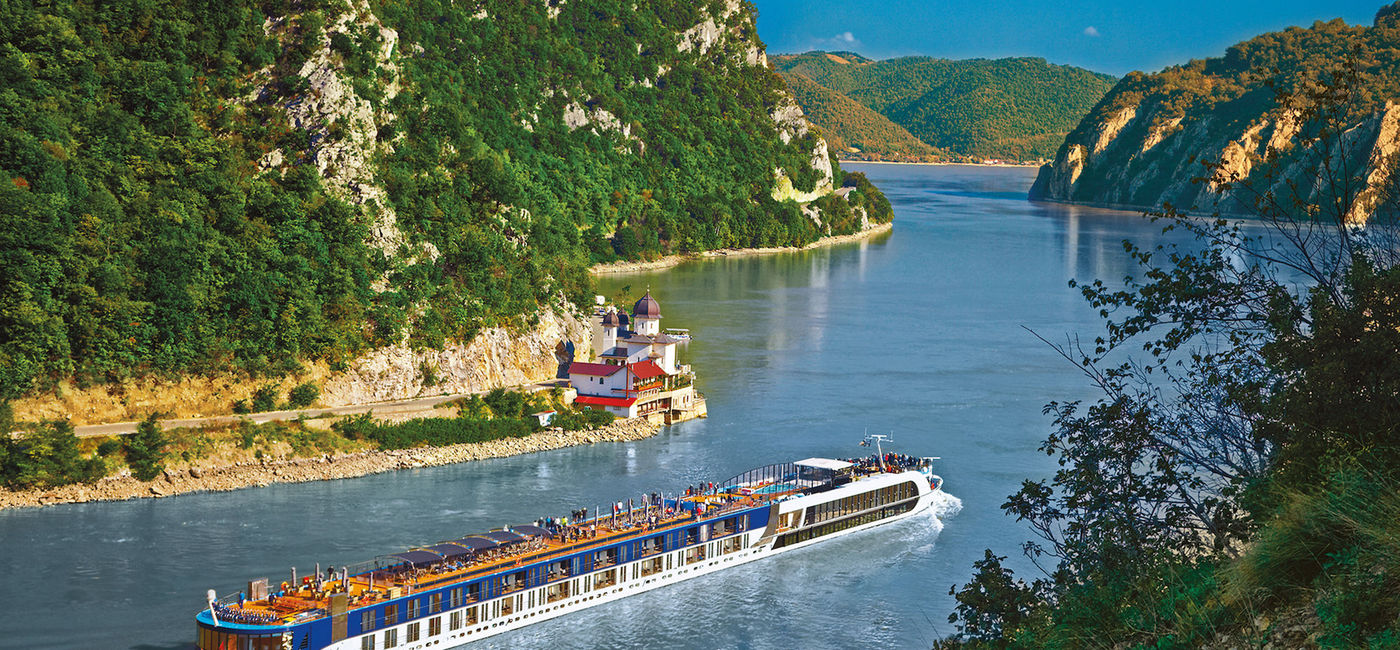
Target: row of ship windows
[[459, 596], [837, 526], [864, 501], [215, 640], [553, 593]]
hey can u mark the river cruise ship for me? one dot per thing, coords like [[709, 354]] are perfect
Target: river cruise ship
[[476, 586]]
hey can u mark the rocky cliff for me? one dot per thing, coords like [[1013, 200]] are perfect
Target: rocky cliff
[[1212, 135], [495, 357]]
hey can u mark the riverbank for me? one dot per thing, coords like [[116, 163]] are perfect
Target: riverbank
[[943, 163], [672, 260], [323, 467]]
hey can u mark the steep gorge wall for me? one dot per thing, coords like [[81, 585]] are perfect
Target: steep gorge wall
[[376, 187], [1212, 135]]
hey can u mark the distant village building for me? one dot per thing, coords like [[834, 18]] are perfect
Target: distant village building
[[636, 372]]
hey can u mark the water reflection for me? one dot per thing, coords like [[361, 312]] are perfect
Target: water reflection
[[919, 332]]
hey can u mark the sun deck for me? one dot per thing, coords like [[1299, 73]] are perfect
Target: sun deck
[[311, 597]]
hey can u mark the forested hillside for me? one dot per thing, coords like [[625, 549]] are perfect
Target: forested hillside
[[212, 186], [1015, 109], [854, 131], [1147, 141]]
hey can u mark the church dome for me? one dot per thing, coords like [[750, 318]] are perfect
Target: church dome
[[646, 307], [610, 319]]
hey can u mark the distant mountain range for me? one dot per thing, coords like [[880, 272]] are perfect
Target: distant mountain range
[[1015, 109]]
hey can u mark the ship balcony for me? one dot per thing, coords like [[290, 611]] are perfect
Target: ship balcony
[[605, 579], [650, 567], [558, 571], [557, 592]]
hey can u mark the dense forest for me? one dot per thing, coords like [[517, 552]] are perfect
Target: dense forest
[[1147, 139], [1236, 483], [1016, 109], [182, 193], [854, 131]]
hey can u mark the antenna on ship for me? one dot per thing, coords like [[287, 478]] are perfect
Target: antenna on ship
[[877, 438]]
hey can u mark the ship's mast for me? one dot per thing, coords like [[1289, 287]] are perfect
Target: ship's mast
[[877, 438]]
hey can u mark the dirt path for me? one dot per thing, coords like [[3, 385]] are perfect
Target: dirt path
[[416, 405]]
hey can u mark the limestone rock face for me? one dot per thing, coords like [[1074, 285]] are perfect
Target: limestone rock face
[[793, 124], [344, 126], [1215, 136], [495, 357]]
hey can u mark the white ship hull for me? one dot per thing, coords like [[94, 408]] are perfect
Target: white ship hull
[[454, 627]]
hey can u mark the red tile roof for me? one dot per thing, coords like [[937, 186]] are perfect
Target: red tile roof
[[592, 369], [646, 370], [605, 401]]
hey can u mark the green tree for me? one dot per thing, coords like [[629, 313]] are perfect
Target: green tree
[[146, 449], [995, 607], [48, 455]]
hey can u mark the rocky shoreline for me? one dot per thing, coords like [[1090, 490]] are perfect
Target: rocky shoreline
[[672, 260], [320, 468]]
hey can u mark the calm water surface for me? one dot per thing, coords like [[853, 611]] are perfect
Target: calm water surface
[[921, 333]]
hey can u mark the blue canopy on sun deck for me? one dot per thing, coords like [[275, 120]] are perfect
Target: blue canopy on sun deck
[[476, 543], [450, 550], [530, 530], [417, 558], [504, 536]]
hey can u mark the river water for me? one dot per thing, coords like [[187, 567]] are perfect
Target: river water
[[921, 333]]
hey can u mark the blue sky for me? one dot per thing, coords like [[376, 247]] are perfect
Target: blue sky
[[1102, 35]]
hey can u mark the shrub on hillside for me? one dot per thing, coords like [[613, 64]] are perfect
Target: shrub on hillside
[[303, 395], [431, 432], [264, 398], [587, 418]]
